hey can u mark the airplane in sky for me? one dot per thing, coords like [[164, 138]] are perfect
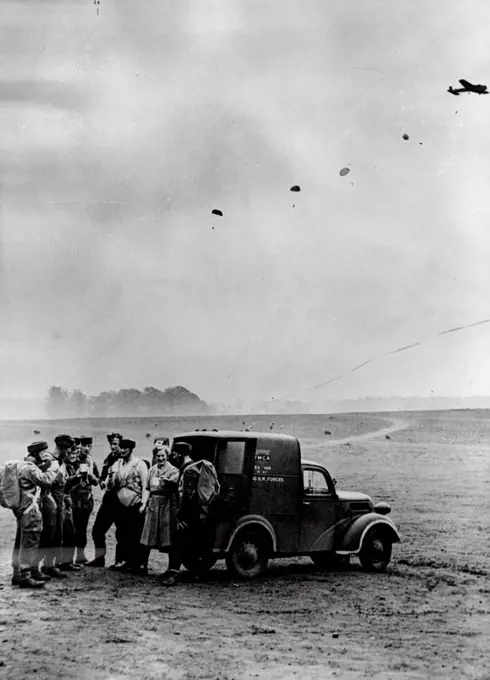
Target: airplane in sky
[[468, 87]]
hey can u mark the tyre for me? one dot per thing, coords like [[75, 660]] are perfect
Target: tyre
[[248, 555], [329, 560], [199, 565], [375, 552]]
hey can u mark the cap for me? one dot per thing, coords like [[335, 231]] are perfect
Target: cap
[[127, 444], [64, 441], [114, 435], [86, 441], [165, 440], [37, 447]]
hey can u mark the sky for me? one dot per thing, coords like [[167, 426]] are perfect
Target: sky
[[121, 131]]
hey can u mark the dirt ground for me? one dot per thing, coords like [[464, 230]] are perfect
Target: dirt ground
[[426, 617]]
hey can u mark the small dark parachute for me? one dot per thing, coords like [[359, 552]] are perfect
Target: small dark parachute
[[405, 136], [295, 187], [217, 212], [344, 172]]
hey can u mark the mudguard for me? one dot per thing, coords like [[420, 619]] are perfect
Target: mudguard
[[251, 521], [351, 541]]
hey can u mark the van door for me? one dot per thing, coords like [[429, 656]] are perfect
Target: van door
[[234, 465], [318, 512]]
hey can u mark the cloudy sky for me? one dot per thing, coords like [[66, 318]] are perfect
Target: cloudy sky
[[121, 131]]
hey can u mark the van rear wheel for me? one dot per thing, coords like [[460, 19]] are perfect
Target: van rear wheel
[[248, 556]]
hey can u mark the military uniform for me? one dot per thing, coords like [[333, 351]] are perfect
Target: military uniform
[[129, 477], [83, 501], [106, 515], [54, 558], [29, 518], [47, 506]]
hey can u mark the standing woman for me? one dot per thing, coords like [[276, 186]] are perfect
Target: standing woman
[[160, 501]]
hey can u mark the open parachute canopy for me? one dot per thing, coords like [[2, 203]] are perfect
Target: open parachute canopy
[[344, 172]]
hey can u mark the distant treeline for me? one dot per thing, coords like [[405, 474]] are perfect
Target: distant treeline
[[61, 403]]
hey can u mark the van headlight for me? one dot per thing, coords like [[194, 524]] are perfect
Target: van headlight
[[382, 508]]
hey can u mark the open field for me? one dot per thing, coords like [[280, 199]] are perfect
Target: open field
[[428, 616]]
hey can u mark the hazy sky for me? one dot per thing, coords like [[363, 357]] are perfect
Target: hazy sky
[[119, 134]]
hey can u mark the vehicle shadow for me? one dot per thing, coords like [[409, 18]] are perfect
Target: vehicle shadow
[[277, 570]]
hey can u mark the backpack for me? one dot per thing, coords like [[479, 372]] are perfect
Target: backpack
[[200, 482], [9, 484]]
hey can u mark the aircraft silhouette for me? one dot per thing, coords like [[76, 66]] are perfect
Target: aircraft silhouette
[[468, 87]]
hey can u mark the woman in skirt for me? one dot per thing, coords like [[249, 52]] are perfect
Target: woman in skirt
[[160, 501]]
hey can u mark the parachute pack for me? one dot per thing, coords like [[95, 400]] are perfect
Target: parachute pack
[[200, 480], [9, 484]]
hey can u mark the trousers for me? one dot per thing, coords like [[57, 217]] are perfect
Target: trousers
[[129, 527], [66, 553], [46, 549], [105, 518], [81, 516], [27, 537]]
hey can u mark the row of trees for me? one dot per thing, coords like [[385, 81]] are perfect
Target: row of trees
[[62, 403]]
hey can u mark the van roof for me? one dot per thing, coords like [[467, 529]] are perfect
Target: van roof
[[226, 434]]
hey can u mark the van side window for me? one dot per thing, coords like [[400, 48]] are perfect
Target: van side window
[[231, 458], [315, 483]]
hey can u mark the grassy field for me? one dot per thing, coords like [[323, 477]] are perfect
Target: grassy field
[[426, 617]]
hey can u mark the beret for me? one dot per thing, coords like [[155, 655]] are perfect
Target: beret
[[114, 435], [181, 447], [64, 440], [37, 447], [127, 444]]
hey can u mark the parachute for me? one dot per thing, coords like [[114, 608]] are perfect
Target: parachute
[[295, 187], [217, 212], [344, 172], [200, 479], [9, 484], [405, 136]]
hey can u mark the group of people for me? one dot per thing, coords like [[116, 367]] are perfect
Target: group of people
[[163, 504]]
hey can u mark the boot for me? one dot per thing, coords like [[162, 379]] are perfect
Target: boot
[[96, 562], [81, 557], [16, 578], [38, 575], [54, 572], [27, 582]]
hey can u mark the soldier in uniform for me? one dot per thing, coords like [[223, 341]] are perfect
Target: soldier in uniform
[[106, 515], [129, 477], [67, 553], [47, 507], [52, 559], [35, 474], [81, 495]]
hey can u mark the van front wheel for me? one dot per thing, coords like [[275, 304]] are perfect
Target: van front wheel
[[248, 556]]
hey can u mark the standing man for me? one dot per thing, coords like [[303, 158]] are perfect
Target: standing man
[[128, 478], [48, 509], [106, 515], [181, 458], [72, 479], [81, 495], [33, 475], [52, 560]]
